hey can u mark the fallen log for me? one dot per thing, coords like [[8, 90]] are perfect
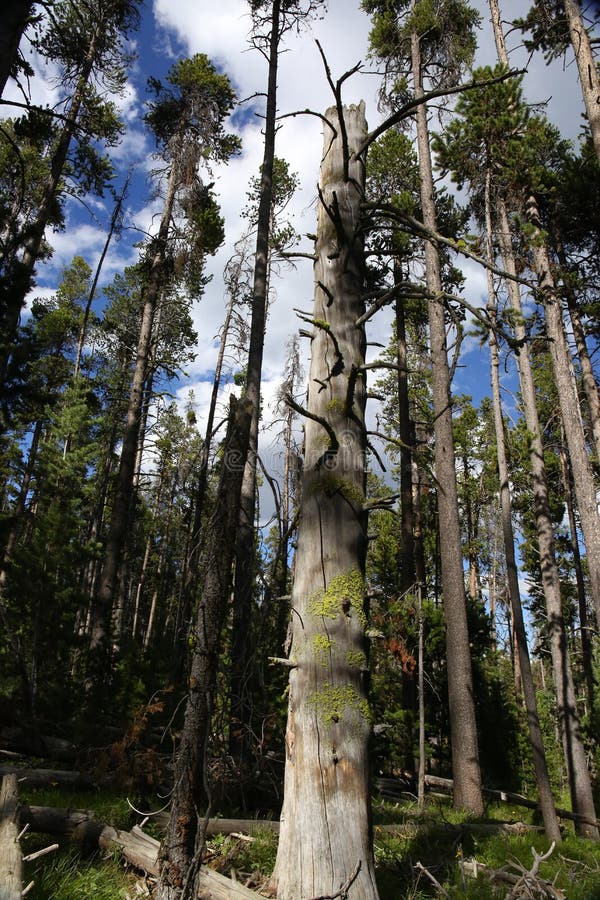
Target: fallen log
[[48, 777], [11, 860], [139, 849]]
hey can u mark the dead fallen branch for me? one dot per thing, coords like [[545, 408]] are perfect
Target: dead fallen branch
[[524, 882], [11, 860]]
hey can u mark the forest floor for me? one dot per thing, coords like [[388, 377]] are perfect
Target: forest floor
[[436, 852]]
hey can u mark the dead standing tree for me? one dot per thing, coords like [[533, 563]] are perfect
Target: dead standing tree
[[325, 841]]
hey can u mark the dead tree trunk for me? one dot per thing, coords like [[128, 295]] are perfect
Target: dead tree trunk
[[325, 835]]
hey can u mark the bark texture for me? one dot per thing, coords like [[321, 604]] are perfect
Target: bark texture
[[325, 832]]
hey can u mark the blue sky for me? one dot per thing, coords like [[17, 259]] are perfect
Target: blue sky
[[171, 28]]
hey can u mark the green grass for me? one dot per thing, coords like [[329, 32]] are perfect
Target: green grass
[[66, 875], [109, 807], [433, 837]]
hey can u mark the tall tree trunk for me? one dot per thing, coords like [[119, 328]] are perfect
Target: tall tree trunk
[[575, 759], [118, 528], [13, 21], [325, 835], [570, 410], [542, 777], [463, 727], [182, 846], [241, 646], [586, 66]]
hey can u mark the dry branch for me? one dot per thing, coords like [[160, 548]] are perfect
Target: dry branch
[[11, 861]]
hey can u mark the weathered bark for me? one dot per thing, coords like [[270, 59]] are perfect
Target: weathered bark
[[325, 833], [241, 646], [586, 66], [181, 850], [533, 723], [570, 409], [101, 610], [11, 860], [13, 21], [575, 758], [463, 727]]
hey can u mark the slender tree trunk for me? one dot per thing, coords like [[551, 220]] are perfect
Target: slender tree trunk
[[325, 844], [13, 21], [570, 410], [551, 825], [114, 219], [463, 727], [586, 65], [118, 528], [181, 849], [241, 646]]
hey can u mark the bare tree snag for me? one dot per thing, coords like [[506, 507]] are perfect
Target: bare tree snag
[[325, 830], [11, 860]]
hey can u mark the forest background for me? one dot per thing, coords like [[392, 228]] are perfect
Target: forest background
[[117, 515]]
